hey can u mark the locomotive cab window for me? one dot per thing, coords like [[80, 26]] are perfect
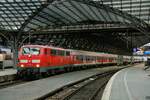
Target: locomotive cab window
[[29, 50]]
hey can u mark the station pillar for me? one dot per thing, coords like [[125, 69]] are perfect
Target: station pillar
[[15, 52]]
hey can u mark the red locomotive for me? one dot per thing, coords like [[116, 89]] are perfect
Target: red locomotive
[[38, 59]]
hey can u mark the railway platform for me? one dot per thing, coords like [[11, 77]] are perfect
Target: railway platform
[[36, 89], [129, 84], [7, 74]]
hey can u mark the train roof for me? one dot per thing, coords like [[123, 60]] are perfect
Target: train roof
[[74, 52], [44, 46]]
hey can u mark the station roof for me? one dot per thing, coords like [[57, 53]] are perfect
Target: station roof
[[16, 14], [137, 8], [26, 15]]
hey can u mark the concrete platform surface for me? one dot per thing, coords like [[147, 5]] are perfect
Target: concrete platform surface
[[35, 89], [129, 84], [8, 72]]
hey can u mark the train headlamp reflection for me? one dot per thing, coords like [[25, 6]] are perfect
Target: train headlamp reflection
[[22, 65], [37, 65]]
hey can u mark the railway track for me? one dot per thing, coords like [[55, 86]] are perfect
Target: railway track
[[89, 89]]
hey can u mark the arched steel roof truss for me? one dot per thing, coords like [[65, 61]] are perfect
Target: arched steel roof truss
[[72, 12], [26, 15]]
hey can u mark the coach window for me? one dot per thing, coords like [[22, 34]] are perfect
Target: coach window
[[67, 53], [53, 52], [77, 57], [58, 52], [61, 52]]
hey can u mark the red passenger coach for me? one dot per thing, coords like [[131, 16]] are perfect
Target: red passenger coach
[[38, 59]]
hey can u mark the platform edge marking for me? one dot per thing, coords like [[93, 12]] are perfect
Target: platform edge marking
[[126, 86], [107, 90]]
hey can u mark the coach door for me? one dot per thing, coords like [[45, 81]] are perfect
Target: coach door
[[53, 57], [46, 56]]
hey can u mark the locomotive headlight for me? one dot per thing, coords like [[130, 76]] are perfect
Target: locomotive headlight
[[22, 65], [37, 65], [29, 55]]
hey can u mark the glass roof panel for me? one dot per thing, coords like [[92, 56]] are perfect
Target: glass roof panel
[[101, 18], [75, 10], [70, 12], [82, 10], [4, 23], [134, 7], [37, 22], [59, 9], [30, 25], [90, 11], [104, 13], [45, 15], [54, 12], [15, 12], [113, 17]]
